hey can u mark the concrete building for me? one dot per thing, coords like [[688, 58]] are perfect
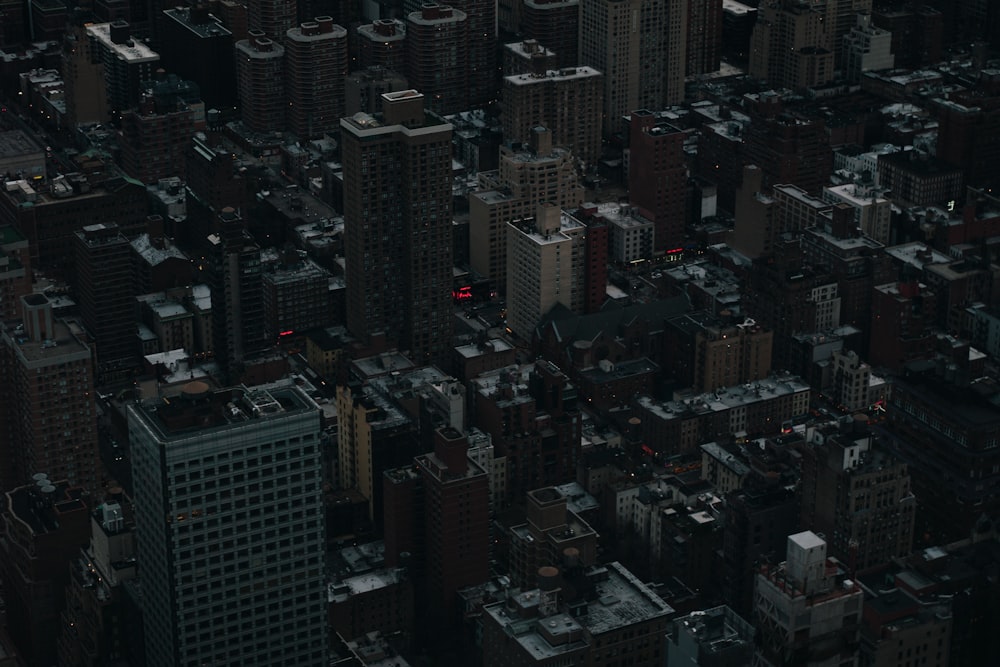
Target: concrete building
[[197, 46], [805, 608], [792, 45], [703, 351], [382, 43], [527, 57], [608, 615], [456, 519], [657, 177], [258, 452], [44, 525], [127, 62], [530, 412], [526, 179], [48, 412], [234, 273], [640, 47], [866, 48], [15, 272], [155, 133], [398, 225], [555, 25], [273, 18], [704, 41], [260, 82], [104, 286], [550, 530], [717, 636], [567, 102], [680, 426], [296, 298], [363, 89], [857, 493], [872, 212], [315, 67], [83, 77], [95, 605], [437, 45], [545, 267]]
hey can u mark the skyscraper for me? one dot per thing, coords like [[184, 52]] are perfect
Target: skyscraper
[[237, 293], [229, 526], [315, 67], [397, 220], [555, 25], [260, 82], [437, 51], [104, 286], [657, 177], [639, 46], [792, 45]]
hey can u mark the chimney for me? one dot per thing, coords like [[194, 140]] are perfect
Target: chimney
[[37, 311]]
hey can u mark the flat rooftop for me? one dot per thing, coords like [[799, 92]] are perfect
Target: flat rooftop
[[198, 408]]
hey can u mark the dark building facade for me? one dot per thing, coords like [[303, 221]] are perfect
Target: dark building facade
[[658, 177], [397, 217]]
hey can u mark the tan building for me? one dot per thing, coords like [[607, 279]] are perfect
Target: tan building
[[525, 180], [567, 101], [640, 47], [872, 213], [545, 266]]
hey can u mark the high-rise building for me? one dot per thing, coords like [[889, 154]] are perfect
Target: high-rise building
[[858, 495], [229, 524], [274, 18], [545, 264], [566, 101], [44, 524], [437, 47], [727, 351], [48, 414], [555, 25], [382, 43], [127, 61], [902, 314], [83, 78], [806, 609], [525, 180], [315, 68], [363, 89], [456, 508], [195, 45], [657, 177], [104, 286], [639, 46], [969, 131], [482, 73], [704, 36], [841, 19], [154, 136], [235, 278], [397, 218], [260, 82], [791, 45]]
